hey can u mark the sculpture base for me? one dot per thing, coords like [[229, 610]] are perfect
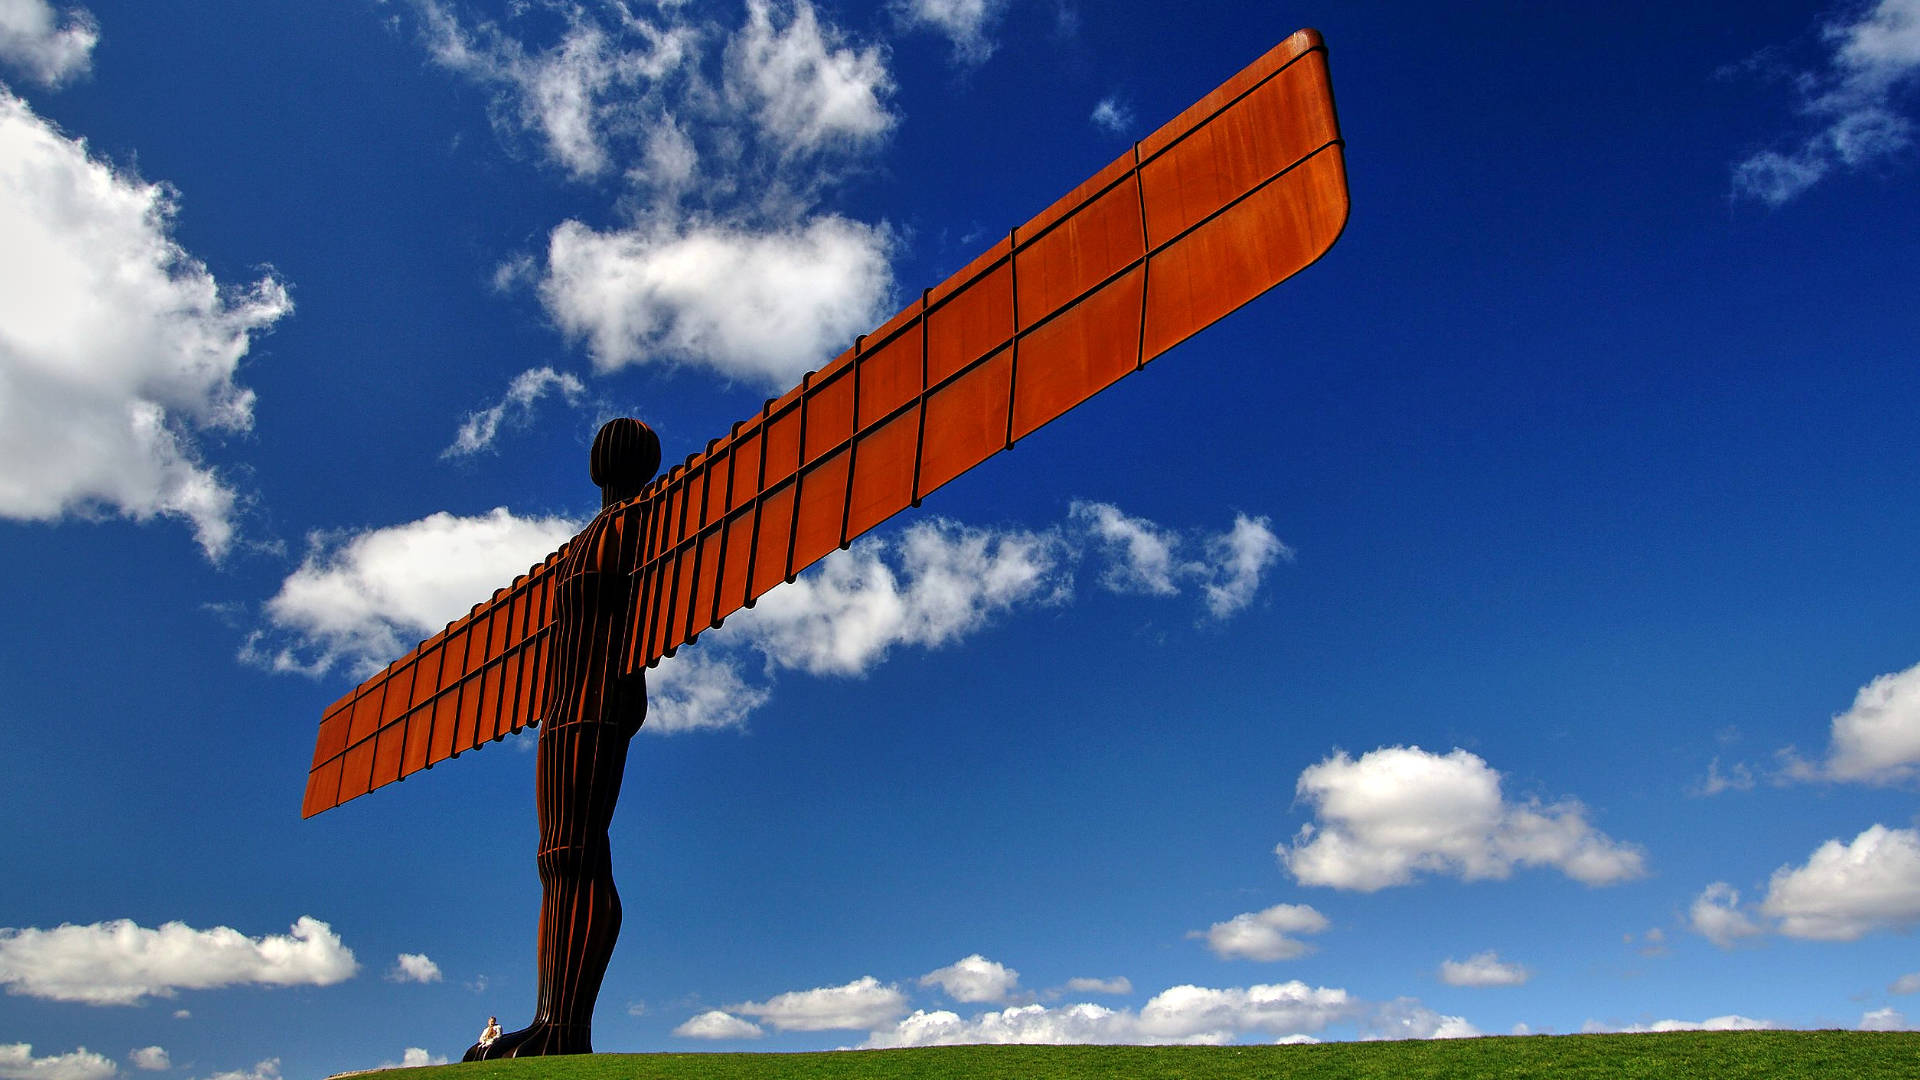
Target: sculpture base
[[536, 1040]]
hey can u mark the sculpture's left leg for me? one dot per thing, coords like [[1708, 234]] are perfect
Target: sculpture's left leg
[[580, 768]]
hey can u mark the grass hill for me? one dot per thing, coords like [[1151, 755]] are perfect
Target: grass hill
[[1718, 1055]]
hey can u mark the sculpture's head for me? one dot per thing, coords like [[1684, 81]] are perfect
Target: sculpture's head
[[626, 454]]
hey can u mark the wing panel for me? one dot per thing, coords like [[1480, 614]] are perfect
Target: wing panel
[[775, 538], [1080, 352], [822, 513], [1263, 239], [891, 375], [386, 754], [323, 788], [746, 469], [419, 729], [970, 322], [883, 472], [966, 422], [366, 710], [1280, 120], [706, 594], [333, 734], [1086, 247], [738, 558], [828, 414], [356, 771]]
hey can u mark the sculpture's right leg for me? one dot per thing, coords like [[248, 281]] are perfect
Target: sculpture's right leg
[[578, 782]]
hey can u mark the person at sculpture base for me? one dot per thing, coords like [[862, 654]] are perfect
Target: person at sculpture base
[[592, 716]]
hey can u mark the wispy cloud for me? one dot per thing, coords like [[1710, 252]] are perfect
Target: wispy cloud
[[1851, 100], [48, 47], [1112, 116], [1482, 969], [722, 257], [968, 24], [515, 409]]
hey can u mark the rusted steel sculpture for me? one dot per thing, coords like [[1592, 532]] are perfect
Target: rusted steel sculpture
[[1239, 192]]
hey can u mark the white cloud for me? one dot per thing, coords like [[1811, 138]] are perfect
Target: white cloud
[[1847, 890], [477, 432], [1906, 984], [358, 599], [1262, 935], [151, 1058], [1729, 1022], [1111, 116], [414, 967], [117, 348], [1717, 916], [120, 963], [844, 616], [18, 1063], [1400, 811], [1877, 740], [1236, 561], [1141, 553], [1119, 984], [1406, 1018], [571, 92], [265, 1070], [1146, 558], [1852, 102], [862, 1003], [415, 1057], [361, 599], [1887, 1019], [50, 50], [714, 1024], [1482, 969], [966, 23], [973, 979], [804, 89], [722, 261], [1180, 1014], [1738, 778], [700, 690], [760, 304]]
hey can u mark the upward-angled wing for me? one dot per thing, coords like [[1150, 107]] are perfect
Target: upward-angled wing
[[480, 678], [1239, 192], [1236, 194]]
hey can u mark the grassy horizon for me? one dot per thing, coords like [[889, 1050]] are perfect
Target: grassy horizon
[[1721, 1055]]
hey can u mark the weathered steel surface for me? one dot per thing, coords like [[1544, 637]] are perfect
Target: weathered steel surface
[[1239, 192]]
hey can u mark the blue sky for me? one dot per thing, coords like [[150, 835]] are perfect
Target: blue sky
[[1506, 625]]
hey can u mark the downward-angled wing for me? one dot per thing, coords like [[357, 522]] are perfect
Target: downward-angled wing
[[1236, 194], [481, 678]]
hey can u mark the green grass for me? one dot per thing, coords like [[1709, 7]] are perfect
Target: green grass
[[1719, 1055]]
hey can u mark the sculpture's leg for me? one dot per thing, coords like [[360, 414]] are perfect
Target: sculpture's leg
[[579, 774]]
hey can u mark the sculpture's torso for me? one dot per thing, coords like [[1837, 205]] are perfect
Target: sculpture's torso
[[591, 614]]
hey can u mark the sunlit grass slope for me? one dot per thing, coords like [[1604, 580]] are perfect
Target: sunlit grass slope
[[1724, 1055]]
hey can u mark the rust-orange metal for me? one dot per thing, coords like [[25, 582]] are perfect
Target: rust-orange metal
[[1239, 192]]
